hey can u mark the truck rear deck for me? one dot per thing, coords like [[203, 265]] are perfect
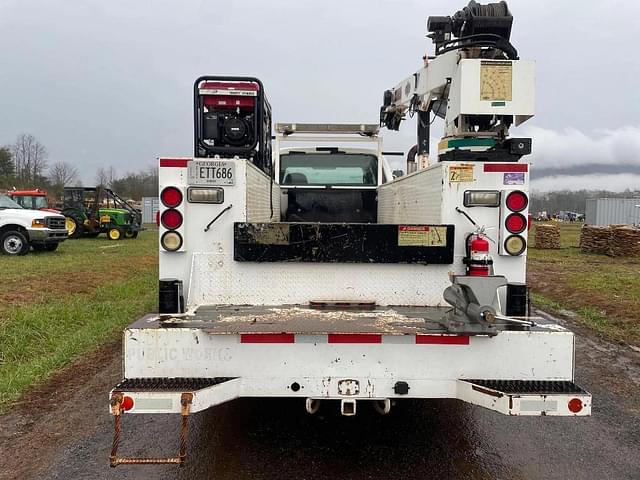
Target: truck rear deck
[[294, 350]]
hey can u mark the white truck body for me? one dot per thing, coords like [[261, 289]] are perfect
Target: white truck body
[[21, 228], [251, 324]]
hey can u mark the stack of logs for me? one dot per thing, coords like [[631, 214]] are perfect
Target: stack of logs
[[547, 236], [615, 240], [625, 242], [594, 239]]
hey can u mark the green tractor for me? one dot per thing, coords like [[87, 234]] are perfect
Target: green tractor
[[90, 211]]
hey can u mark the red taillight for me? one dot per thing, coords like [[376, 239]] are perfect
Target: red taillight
[[127, 403], [517, 201], [575, 405], [171, 219], [171, 197], [516, 223]]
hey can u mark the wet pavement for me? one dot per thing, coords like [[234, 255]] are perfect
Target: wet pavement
[[269, 439]]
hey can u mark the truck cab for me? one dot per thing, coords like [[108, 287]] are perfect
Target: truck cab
[[325, 182]]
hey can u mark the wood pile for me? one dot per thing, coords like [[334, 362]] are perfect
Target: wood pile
[[595, 239], [547, 236], [625, 242]]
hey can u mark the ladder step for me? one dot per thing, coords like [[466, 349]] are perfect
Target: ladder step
[[530, 387], [168, 384]]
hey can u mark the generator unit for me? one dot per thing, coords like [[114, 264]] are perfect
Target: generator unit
[[232, 118]]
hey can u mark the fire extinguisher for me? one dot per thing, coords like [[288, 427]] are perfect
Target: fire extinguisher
[[478, 259]]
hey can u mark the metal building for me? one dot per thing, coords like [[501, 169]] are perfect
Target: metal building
[[150, 206], [608, 211]]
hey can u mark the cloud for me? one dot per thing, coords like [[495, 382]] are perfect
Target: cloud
[[571, 147], [614, 182]]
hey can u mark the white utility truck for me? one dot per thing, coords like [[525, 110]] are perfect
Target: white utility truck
[[298, 266], [21, 229]]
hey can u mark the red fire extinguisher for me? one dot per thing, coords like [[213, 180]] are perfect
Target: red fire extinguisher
[[479, 260]]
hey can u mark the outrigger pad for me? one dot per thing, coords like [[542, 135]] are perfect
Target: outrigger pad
[[343, 243]]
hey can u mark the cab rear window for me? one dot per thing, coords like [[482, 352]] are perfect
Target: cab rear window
[[315, 169]]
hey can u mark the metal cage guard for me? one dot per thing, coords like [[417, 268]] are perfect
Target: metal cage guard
[[262, 132]]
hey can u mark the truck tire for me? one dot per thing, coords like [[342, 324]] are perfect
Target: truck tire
[[131, 234], [74, 226], [115, 233], [14, 242]]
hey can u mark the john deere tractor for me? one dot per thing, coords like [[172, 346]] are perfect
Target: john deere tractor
[[90, 211]]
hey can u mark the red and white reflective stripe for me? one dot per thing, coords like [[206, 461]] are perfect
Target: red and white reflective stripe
[[175, 162], [506, 167], [355, 338]]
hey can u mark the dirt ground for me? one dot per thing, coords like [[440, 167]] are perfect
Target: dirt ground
[[63, 430]]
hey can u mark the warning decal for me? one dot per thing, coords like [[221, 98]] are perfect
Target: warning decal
[[496, 79], [461, 173], [422, 236]]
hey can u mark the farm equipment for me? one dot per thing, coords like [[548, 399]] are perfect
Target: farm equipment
[[90, 211], [316, 274]]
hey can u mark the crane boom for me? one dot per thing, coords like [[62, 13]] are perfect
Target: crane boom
[[475, 82]]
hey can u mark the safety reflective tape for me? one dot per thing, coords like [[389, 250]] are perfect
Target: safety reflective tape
[[442, 340], [354, 338], [174, 162], [506, 167], [267, 338]]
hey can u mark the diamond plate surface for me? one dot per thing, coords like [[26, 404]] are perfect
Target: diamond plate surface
[[220, 280]]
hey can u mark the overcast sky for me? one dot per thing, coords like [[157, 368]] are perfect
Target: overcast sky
[[109, 83]]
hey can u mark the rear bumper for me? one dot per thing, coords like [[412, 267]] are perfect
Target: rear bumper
[[531, 371], [47, 235], [550, 398]]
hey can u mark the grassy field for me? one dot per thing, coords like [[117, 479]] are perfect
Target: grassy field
[[56, 306], [604, 292]]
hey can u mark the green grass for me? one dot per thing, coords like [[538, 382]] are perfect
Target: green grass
[[101, 291], [84, 255], [603, 291]]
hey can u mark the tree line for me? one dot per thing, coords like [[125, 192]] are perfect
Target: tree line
[[25, 165]]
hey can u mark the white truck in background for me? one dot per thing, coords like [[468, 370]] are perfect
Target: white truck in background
[[301, 268], [21, 229]]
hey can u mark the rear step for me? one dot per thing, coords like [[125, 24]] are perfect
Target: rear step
[[166, 395], [527, 397]]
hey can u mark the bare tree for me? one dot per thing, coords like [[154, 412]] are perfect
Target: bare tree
[[61, 174], [30, 158], [7, 167], [105, 177]]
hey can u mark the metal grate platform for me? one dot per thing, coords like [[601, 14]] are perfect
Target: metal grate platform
[[168, 384], [534, 387]]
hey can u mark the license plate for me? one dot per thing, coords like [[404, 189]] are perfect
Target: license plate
[[212, 172]]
